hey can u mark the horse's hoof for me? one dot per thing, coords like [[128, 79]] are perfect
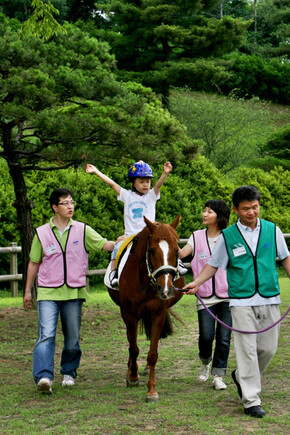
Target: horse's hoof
[[152, 398], [132, 383]]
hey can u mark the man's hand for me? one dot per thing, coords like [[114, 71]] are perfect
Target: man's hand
[[192, 286], [27, 300]]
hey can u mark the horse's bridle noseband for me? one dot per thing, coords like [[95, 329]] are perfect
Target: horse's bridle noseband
[[162, 270]]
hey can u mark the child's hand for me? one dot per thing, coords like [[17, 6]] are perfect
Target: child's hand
[[167, 167], [90, 169], [121, 238]]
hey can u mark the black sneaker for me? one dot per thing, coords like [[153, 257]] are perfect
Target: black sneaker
[[255, 411], [237, 383]]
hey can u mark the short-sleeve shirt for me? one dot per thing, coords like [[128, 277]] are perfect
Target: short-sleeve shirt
[[93, 242], [220, 258], [136, 207]]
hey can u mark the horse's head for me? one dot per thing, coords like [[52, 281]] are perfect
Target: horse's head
[[162, 256]]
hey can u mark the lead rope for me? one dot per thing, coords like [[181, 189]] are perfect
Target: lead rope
[[230, 327]]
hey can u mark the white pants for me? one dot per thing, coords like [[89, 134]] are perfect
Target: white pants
[[254, 351]]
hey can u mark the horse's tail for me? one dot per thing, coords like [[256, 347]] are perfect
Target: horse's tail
[[146, 326]]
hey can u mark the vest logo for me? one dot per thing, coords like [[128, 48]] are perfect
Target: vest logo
[[50, 249], [202, 256], [76, 243], [267, 245]]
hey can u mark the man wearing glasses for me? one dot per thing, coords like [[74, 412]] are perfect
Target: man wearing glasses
[[59, 254]]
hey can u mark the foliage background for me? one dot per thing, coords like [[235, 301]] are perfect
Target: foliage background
[[185, 191], [246, 131]]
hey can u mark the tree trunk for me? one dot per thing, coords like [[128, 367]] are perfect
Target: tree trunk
[[255, 16], [165, 96], [165, 86], [23, 206]]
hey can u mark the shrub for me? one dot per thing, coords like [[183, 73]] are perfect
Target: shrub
[[256, 76]]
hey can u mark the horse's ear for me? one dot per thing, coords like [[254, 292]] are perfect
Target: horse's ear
[[176, 221], [149, 224]]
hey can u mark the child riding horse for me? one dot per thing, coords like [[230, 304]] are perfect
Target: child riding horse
[[146, 292]]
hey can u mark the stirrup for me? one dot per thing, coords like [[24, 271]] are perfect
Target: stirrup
[[113, 278]]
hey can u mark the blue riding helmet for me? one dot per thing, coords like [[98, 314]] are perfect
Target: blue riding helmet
[[140, 170]]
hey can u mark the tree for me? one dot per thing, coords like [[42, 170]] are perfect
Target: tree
[[20, 9], [69, 10], [155, 39], [276, 151], [42, 23], [60, 102], [233, 131], [270, 38], [234, 8]]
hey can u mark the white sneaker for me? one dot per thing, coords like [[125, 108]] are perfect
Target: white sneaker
[[44, 385], [67, 380], [203, 372], [218, 383], [113, 277], [182, 269]]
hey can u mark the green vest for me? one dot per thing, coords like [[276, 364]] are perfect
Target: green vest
[[248, 274]]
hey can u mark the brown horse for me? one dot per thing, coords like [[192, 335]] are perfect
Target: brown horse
[[146, 292]]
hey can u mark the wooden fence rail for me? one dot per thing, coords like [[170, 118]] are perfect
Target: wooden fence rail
[[14, 276]]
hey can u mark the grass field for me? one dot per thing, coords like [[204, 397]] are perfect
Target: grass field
[[100, 402]]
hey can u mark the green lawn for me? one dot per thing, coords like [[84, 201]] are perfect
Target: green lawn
[[100, 402]]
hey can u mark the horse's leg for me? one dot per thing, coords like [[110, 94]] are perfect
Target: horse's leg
[[146, 370], [157, 325], [132, 374]]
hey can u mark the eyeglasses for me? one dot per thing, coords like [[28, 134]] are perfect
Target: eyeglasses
[[66, 203]]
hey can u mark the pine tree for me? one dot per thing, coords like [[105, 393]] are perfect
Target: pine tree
[[160, 40]]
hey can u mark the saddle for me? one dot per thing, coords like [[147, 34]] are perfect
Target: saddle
[[123, 248]]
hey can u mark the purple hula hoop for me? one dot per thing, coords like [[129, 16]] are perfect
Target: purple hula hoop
[[233, 329]]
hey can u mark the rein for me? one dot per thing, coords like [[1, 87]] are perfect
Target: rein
[[229, 327], [164, 269]]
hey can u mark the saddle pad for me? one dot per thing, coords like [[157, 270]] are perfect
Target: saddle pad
[[123, 247], [120, 269]]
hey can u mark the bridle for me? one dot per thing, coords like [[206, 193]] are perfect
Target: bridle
[[162, 270]]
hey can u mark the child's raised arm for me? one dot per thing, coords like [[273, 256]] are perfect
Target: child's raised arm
[[90, 169], [166, 169]]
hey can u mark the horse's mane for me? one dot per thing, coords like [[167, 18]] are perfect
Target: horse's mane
[[162, 230]]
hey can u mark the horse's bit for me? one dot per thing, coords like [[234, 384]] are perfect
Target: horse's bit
[[166, 268]]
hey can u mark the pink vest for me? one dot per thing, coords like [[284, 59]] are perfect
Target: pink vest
[[218, 285], [57, 267]]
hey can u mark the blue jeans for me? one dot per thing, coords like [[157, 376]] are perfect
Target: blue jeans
[[210, 329], [43, 354], [115, 250]]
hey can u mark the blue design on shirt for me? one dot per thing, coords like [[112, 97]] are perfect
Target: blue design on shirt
[[137, 213]]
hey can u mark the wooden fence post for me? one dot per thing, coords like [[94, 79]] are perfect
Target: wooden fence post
[[13, 271]]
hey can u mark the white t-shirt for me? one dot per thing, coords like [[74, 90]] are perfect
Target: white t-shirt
[[135, 208]]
